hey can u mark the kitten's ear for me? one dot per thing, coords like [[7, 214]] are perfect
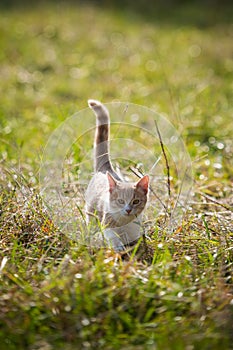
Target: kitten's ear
[[111, 181], [143, 184]]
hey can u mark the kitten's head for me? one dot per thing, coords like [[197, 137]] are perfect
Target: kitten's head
[[127, 200]]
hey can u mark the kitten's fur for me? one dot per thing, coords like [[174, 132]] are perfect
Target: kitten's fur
[[117, 204]]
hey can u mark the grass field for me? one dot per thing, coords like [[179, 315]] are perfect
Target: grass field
[[175, 290]]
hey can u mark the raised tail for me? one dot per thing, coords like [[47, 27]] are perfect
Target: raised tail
[[102, 161]]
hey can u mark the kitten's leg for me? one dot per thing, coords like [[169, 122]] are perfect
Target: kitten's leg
[[131, 232], [113, 240]]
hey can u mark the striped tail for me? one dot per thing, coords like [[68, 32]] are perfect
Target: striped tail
[[102, 161]]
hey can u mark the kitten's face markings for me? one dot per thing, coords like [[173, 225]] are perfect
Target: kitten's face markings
[[128, 200], [132, 206], [126, 207]]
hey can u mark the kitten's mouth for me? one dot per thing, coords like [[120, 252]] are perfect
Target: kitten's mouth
[[130, 215]]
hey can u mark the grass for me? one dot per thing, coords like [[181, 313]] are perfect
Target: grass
[[175, 290]]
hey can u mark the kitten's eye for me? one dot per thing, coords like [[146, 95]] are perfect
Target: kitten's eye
[[136, 201], [121, 201]]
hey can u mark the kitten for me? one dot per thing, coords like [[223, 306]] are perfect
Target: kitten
[[117, 204]]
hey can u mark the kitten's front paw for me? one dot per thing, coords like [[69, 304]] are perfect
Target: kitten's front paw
[[113, 240], [119, 248]]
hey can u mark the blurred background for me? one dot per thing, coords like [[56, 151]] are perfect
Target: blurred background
[[175, 57]]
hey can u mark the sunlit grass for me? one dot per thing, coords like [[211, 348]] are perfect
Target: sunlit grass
[[175, 291]]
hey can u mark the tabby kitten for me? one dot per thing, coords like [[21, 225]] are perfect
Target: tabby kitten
[[117, 204]]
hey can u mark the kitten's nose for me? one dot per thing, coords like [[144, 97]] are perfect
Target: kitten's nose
[[128, 209]]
